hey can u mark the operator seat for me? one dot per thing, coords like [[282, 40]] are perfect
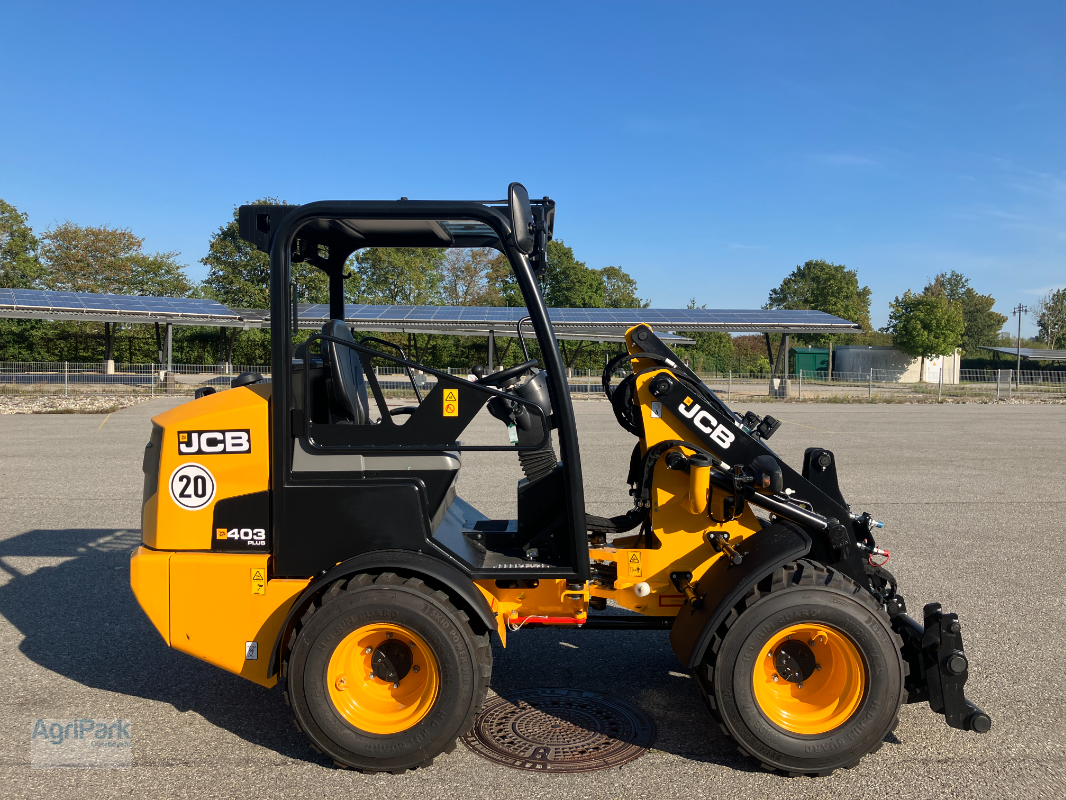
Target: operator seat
[[345, 383]]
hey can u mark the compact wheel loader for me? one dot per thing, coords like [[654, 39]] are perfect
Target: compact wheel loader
[[303, 531]]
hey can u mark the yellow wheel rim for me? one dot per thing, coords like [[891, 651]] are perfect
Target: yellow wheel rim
[[809, 679], [365, 700]]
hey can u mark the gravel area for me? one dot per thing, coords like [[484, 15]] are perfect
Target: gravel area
[[57, 404]]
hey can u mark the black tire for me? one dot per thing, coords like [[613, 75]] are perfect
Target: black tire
[[804, 592], [464, 660]]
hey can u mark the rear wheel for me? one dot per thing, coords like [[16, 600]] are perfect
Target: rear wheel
[[806, 673], [385, 673]]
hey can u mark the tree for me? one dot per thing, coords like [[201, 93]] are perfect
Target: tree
[[501, 283], [713, 349], [1051, 317], [402, 276], [467, 277], [620, 289], [981, 325], [925, 325], [19, 266], [103, 259], [824, 286], [238, 275], [568, 283]]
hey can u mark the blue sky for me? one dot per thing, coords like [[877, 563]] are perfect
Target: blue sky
[[707, 149]]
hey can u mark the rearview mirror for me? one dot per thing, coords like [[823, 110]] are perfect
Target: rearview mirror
[[521, 217]]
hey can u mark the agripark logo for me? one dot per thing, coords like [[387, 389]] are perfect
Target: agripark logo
[[81, 744]]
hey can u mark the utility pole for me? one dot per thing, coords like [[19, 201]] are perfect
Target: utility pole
[[1020, 312]]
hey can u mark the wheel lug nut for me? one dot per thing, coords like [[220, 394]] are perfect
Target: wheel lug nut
[[370, 677], [415, 668], [341, 685], [770, 654], [799, 685], [388, 635], [396, 685], [818, 667], [775, 679], [369, 650]]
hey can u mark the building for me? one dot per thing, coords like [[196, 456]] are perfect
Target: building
[[854, 361]]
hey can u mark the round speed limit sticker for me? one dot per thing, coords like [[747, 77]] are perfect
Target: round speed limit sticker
[[192, 486]]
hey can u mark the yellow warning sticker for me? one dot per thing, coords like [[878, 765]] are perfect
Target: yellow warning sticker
[[220, 533], [634, 565], [258, 581], [183, 437], [688, 401], [451, 402]]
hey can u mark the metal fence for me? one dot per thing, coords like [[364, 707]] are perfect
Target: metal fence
[[50, 378], [80, 379]]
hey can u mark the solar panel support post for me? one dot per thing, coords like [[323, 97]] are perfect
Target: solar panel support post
[[109, 349], [492, 350], [170, 347]]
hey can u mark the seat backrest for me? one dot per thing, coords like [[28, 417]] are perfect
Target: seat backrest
[[346, 383]]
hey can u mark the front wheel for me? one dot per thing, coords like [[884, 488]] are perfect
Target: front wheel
[[385, 673], [806, 674]]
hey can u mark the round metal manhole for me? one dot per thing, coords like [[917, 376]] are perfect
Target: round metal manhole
[[559, 730]]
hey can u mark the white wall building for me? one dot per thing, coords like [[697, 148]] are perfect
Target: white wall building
[[889, 364]]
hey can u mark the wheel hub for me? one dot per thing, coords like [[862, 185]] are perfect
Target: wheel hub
[[383, 678], [809, 678], [794, 661], [392, 660]]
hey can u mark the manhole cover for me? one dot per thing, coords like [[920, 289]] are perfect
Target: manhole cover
[[559, 730]]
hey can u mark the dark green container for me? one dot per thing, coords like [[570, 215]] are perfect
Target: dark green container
[[809, 359]]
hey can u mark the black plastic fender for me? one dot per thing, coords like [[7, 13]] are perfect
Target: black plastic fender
[[724, 584], [402, 562]]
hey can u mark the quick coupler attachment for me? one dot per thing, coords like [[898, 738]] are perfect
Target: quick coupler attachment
[[939, 667]]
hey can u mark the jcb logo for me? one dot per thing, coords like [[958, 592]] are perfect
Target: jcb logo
[[705, 422], [194, 442]]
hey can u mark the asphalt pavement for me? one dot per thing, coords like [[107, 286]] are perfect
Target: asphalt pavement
[[973, 497]]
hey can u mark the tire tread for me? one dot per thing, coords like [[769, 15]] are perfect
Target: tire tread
[[800, 573], [482, 649]]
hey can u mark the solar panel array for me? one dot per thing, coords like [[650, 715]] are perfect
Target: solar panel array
[[1027, 352], [589, 319], [99, 306], [575, 321]]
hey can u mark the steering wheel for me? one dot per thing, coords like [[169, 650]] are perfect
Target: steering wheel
[[499, 378]]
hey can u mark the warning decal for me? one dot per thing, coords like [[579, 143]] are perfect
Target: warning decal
[[258, 580], [634, 565], [451, 402]]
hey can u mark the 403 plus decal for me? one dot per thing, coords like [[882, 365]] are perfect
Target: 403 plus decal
[[253, 537]]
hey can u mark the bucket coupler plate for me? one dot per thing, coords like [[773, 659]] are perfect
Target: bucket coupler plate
[[939, 667]]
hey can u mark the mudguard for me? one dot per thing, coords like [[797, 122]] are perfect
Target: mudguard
[[402, 562], [724, 584]]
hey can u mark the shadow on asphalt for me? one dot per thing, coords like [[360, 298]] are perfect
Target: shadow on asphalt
[[636, 666], [81, 620]]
